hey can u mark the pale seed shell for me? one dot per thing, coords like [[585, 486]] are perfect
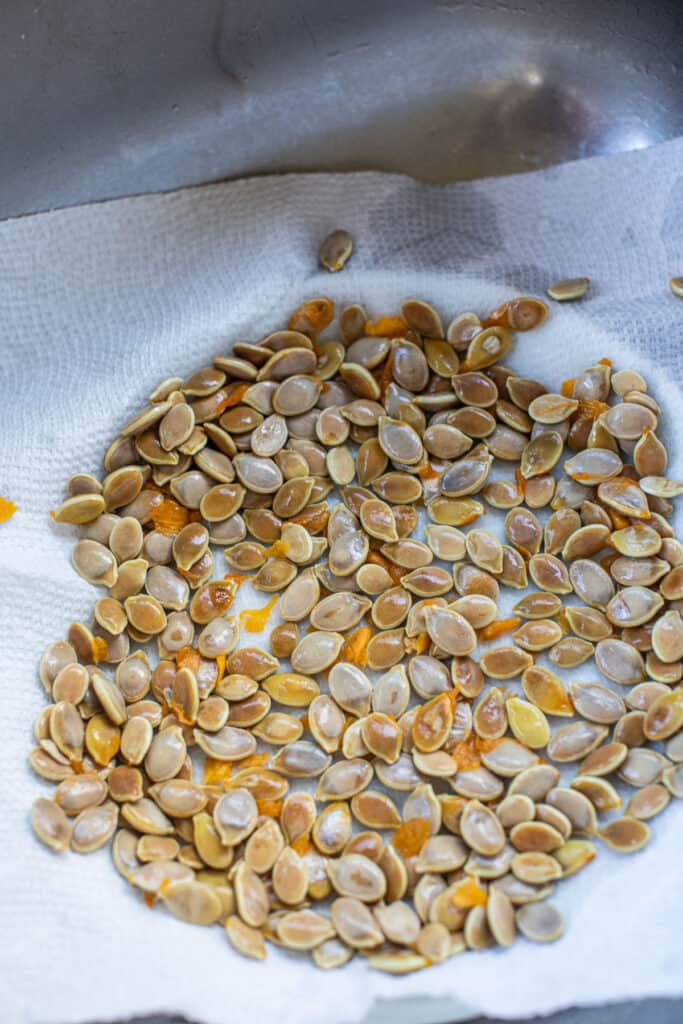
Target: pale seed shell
[[51, 824], [597, 703], [343, 780], [246, 940], [540, 922], [235, 816], [355, 924], [94, 827], [508, 758], [575, 741], [577, 807], [535, 782], [642, 767]]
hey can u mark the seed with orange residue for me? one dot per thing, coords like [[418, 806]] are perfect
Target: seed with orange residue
[[271, 808], [427, 472], [169, 517], [417, 644], [314, 518], [355, 647], [312, 316], [302, 845], [384, 375], [100, 650], [254, 761], [214, 599], [395, 571], [520, 314], [216, 772], [220, 666], [386, 327], [254, 620], [467, 753], [591, 408], [7, 509], [618, 521], [234, 397], [498, 628], [279, 549], [188, 657], [433, 722], [544, 689], [469, 893], [410, 837]]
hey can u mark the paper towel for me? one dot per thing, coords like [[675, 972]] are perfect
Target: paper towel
[[99, 303]]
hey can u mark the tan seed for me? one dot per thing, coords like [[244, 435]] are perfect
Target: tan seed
[[51, 824], [569, 289], [625, 835]]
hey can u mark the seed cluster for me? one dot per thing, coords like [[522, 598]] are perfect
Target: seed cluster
[[439, 822]]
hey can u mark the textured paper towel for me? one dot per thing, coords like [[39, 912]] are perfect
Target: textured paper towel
[[99, 303]]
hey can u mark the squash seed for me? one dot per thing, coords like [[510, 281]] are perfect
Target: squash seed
[[540, 922], [575, 741], [343, 780], [51, 824], [192, 901], [672, 777], [246, 940], [535, 782], [481, 829], [355, 924], [597, 703], [508, 758], [94, 827], [625, 835], [642, 767]]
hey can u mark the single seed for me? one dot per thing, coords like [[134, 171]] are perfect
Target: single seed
[[569, 289], [625, 835]]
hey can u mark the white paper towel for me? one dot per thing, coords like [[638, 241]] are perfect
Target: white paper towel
[[99, 303]]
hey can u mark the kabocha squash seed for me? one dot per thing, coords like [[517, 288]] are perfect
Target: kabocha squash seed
[[438, 822]]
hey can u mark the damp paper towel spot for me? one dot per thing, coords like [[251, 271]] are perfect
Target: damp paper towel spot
[[101, 302]]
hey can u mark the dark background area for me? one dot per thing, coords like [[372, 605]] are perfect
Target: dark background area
[[103, 98]]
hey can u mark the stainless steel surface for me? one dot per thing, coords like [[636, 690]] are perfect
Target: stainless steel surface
[[103, 98], [641, 1011]]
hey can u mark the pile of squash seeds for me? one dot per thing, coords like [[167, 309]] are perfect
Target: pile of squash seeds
[[384, 778]]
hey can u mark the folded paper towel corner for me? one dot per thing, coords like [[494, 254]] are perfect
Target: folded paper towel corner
[[101, 302]]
